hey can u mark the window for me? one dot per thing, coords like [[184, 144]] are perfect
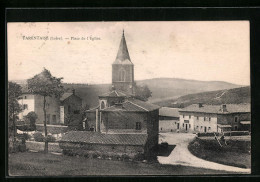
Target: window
[[197, 117], [102, 105], [138, 125], [204, 118], [76, 112], [236, 119], [189, 125], [189, 116], [25, 97], [197, 127], [175, 122], [235, 127], [48, 119], [209, 129], [201, 127], [69, 109], [122, 75], [183, 125], [209, 118], [183, 116], [25, 106], [161, 128], [54, 118]]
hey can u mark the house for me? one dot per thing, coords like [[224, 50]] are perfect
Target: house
[[169, 119], [121, 123], [58, 110], [215, 118]]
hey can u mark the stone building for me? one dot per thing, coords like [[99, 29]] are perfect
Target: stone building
[[215, 118], [169, 119], [57, 109], [131, 124]]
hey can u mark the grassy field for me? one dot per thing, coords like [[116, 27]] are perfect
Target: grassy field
[[223, 156], [39, 164]]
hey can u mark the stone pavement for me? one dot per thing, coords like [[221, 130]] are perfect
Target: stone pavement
[[182, 156]]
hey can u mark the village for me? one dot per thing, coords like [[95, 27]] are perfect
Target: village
[[199, 138]]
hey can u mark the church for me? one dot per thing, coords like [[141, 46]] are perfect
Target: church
[[120, 124]]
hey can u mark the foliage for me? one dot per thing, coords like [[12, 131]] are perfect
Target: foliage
[[14, 92], [17, 145], [31, 117], [142, 92], [51, 138], [38, 137], [74, 122], [46, 85]]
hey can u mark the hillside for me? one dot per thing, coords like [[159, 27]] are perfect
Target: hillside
[[162, 88], [227, 96]]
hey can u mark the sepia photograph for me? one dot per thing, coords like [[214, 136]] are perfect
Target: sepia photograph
[[129, 98]]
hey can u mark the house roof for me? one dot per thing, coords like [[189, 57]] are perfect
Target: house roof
[[115, 93], [132, 105], [231, 108], [107, 139], [122, 54], [170, 112], [65, 96]]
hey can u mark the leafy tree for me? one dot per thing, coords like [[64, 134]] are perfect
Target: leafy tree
[[31, 117], [14, 92], [45, 85], [142, 92]]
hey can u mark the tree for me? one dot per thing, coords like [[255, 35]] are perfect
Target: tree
[[142, 92], [45, 85], [14, 92], [31, 117]]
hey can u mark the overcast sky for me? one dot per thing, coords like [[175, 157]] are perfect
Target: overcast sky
[[210, 51]]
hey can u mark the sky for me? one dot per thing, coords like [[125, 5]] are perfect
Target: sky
[[198, 50]]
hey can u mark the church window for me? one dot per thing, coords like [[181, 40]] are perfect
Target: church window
[[122, 75], [102, 105], [138, 125]]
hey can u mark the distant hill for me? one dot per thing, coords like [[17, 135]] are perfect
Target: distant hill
[[227, 96], [163, 89]]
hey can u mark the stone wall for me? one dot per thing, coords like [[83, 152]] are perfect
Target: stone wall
[[129, 150], [53, 129]]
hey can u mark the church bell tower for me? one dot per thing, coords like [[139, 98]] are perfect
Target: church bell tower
[[123, 69]]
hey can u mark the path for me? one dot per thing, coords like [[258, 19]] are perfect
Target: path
[[182, 156]]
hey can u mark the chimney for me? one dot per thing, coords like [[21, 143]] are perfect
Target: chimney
[[73, 91], [224, 108], [200, 105]]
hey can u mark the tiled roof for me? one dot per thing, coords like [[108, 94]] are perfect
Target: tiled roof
[[231, 108], [115, 93], [65, 96], [133, 105], [101, 138], [167, 111]]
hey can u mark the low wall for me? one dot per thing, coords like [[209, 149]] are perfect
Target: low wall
[[53, 129], [112, 150], [39, 146]]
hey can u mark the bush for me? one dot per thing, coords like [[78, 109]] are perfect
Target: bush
[[17, 146], [24, 136], [31, 117], [51, 138], [38, 137]]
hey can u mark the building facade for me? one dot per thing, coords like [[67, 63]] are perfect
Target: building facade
[[169, 119], [57, 109], [201, 118]]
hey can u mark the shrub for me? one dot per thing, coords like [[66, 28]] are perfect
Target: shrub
[[24, 136], [38, 137], [17, 146], [139, 157], [125, 157], [31, 117], [51, 138]]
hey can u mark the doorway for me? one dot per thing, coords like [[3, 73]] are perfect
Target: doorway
[[186, 127], [178, 125], [205, 129]]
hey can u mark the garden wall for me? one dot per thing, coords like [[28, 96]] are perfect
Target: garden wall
[[39, 146], [53, 129]]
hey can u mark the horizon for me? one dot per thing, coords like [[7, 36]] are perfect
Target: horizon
[[192, 50]]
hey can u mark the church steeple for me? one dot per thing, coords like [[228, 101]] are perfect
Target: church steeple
[[123, 69], [123, 54]]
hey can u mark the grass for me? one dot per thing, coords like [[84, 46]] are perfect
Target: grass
[[226, 156], [39, 164]]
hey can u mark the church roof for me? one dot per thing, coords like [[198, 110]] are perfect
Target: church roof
[[115, 93], [122, 54], [132, 105], [105, 139]]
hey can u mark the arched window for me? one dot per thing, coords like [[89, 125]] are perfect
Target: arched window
[[102, 105], [122, 75]]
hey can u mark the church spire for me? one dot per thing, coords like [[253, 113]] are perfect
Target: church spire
[[122, 54]]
